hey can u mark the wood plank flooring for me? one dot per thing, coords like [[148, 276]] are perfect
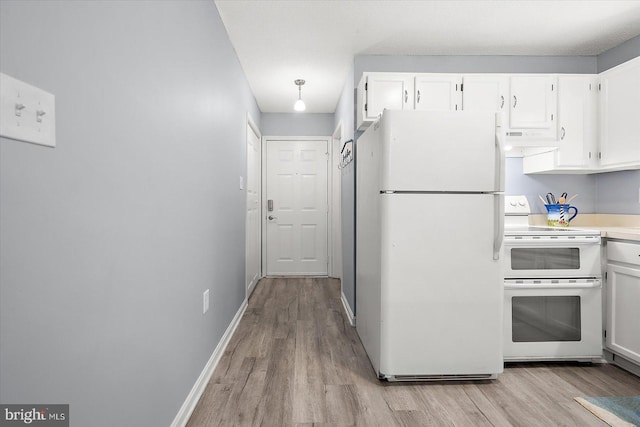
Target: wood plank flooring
[[295, 361]]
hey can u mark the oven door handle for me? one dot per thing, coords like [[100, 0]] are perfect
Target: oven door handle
[[552, 284], [552, 242]]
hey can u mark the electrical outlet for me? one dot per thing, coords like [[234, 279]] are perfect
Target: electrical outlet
[[205, 301]]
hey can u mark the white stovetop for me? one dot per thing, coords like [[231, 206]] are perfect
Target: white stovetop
[[517, 210], [519, 219]]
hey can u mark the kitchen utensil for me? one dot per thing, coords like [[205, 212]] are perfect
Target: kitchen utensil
[[543, 202], [551, 199], [563, 198], [571, 198]]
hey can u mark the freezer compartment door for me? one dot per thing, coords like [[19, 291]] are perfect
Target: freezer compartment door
[[441, 288], [441, 151]]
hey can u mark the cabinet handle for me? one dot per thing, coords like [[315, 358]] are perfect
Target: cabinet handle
[[406, 96], [563, 133], [515, 101], [418, 100], [501, 101]]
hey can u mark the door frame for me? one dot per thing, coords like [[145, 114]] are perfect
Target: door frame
[[263, 195], [249, 287], [335, 204]]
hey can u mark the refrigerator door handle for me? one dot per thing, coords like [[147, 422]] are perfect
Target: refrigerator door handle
[[500, 159], [498, 225]]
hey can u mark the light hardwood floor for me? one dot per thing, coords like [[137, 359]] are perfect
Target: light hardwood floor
[[295, 360]]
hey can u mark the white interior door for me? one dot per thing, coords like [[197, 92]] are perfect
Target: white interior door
[[296, 209], [253, 244]]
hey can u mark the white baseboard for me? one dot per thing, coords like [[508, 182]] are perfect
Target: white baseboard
[[347, 310], [190, 403], [252, 286]]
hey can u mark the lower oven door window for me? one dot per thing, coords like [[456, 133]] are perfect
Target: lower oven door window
[[545, 318]]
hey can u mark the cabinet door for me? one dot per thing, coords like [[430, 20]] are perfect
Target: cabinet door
[[390, 91], [577, 121], [620, 121], [623, 315], [485, 93], [438, 92], [532, 102]]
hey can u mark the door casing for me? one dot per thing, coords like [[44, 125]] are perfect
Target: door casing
[[251, 278]]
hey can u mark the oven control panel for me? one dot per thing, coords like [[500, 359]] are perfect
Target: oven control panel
[[516, 205]]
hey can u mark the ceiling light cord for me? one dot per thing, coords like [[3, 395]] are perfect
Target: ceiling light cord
[[299, 105]]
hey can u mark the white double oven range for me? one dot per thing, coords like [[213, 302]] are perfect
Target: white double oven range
[[552, 290]]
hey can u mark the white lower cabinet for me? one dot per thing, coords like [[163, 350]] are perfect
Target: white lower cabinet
[[623, 300]]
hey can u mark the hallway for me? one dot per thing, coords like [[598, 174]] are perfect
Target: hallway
[[295, 360]]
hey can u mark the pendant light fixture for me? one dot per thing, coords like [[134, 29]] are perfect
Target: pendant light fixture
[[299, 105]]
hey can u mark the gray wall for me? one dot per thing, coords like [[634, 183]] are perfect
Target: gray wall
[[517, 183], [474, 64], [108, 241], [619, 54], [297, 124], [617, 193], [344, 117]]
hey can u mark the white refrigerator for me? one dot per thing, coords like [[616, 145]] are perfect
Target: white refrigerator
[[429, 232]]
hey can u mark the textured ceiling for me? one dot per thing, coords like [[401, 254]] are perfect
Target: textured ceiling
[[280, 41]]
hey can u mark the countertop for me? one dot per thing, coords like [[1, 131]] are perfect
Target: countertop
[[626, 227], [625, 233]]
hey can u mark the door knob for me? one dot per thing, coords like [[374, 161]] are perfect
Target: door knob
[[271, 217]]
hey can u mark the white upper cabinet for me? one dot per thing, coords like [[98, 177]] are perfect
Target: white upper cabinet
[[377, 91], [561, 123], [438, 92], [485, 92], [532, 106], [577, 129], [620, 116], [577, 121]]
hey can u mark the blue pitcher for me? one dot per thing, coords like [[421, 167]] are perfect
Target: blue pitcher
[[559, 215]]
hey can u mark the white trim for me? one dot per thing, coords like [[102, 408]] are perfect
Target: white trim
[[190, 403], [253, 125], [254, 280], [252, 286], [347, 310], [335, 206]]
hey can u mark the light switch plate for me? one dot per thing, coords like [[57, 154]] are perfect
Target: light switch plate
[[205, 301], [26, 112], [241, 183]]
